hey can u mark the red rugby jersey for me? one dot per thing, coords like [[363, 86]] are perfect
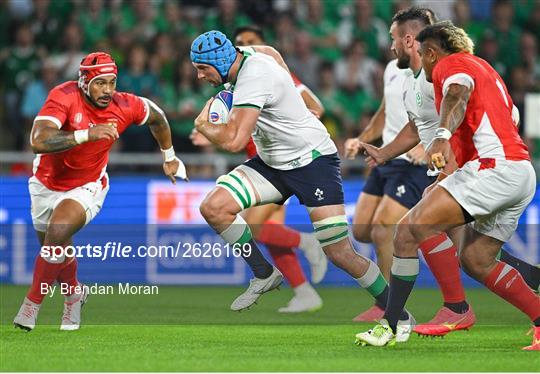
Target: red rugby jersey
[[87, 162]]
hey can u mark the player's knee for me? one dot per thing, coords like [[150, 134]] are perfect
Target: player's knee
[[210, 209], [381, 233], [57, 234], [404, 240], [338, 254]]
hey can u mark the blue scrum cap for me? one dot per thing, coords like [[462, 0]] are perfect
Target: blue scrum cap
[[213, 48]]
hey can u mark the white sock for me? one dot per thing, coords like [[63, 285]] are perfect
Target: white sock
[[306, 241], [304, 290]]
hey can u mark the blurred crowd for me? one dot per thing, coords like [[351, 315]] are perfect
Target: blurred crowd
[[338, 48]]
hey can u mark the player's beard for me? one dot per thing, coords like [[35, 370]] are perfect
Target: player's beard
[[99, 104], [403, 61]]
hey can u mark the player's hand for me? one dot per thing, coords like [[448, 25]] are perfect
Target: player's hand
[[375, 155], [438, 154], [102, 132], [199, 139], [352, 147], [417, 155], [202, 118], [175, 168]]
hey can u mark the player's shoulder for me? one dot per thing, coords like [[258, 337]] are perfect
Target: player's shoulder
[[125, 99], [65, 90]]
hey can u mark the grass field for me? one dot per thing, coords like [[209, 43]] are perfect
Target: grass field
[[191, 329]]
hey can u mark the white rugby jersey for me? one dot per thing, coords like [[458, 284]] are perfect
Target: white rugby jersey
[[287, 134], [419, 99], [395, 115]]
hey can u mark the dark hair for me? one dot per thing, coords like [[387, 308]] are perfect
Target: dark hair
[[450, 38], [250, 28], [423, 15]]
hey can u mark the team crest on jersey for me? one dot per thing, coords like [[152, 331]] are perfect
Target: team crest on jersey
[[418, 99], [78, 118]]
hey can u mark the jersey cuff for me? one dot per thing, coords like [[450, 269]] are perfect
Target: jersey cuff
[[147, 106], [54, 120], [301, 88], [459, 78], [247, 105]]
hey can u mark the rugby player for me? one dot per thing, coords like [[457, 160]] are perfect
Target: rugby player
[[295, 157], [71, 136]]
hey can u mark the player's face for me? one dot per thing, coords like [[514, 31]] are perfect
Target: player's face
[[248, 38], [101, 90], [208, 73], [428, 58], [398, 47]]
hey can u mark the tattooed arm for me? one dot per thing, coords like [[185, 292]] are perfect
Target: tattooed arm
[[47, 138], [453, 109], [454, 106]]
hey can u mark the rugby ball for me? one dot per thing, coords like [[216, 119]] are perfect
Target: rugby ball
[[220, 107]]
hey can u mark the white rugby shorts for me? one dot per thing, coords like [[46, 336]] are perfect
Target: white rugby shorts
[[494, 192], [91, 197]]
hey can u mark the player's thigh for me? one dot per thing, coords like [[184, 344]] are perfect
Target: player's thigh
[[435, 213], [68, 217], [254, 183], [364, 211], [389, 211]]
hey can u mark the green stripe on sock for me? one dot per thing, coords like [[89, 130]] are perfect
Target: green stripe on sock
[[324, 227], [338, 236], [236, 192], [378, 286], [408, 278], [246, 236], [243, 187]]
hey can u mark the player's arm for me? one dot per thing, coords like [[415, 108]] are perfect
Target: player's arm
[[404, 141], [453, 108], [373, 131], [161, 131], [46, 137], [312, 102], [232, 136], [159, 126]]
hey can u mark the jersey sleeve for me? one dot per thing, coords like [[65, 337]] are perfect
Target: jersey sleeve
[[450, 71], [140, 109], [253, 89], [55, 109]]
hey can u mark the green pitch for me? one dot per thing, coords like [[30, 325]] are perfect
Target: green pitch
[[191, 329]]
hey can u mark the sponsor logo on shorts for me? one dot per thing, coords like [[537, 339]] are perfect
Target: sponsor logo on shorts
[[319, 193], [78, 118], [400, 191]]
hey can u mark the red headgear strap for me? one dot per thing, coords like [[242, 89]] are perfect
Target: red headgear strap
[[95, 65]]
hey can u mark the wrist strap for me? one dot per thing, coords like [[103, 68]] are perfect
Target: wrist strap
[[81, 136], [442, 133], [168, 154]]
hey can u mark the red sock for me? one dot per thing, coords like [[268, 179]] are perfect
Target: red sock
[[45, 273], [506, 282], [441, 256], [68, 274], [276, 234], [287, 262]]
